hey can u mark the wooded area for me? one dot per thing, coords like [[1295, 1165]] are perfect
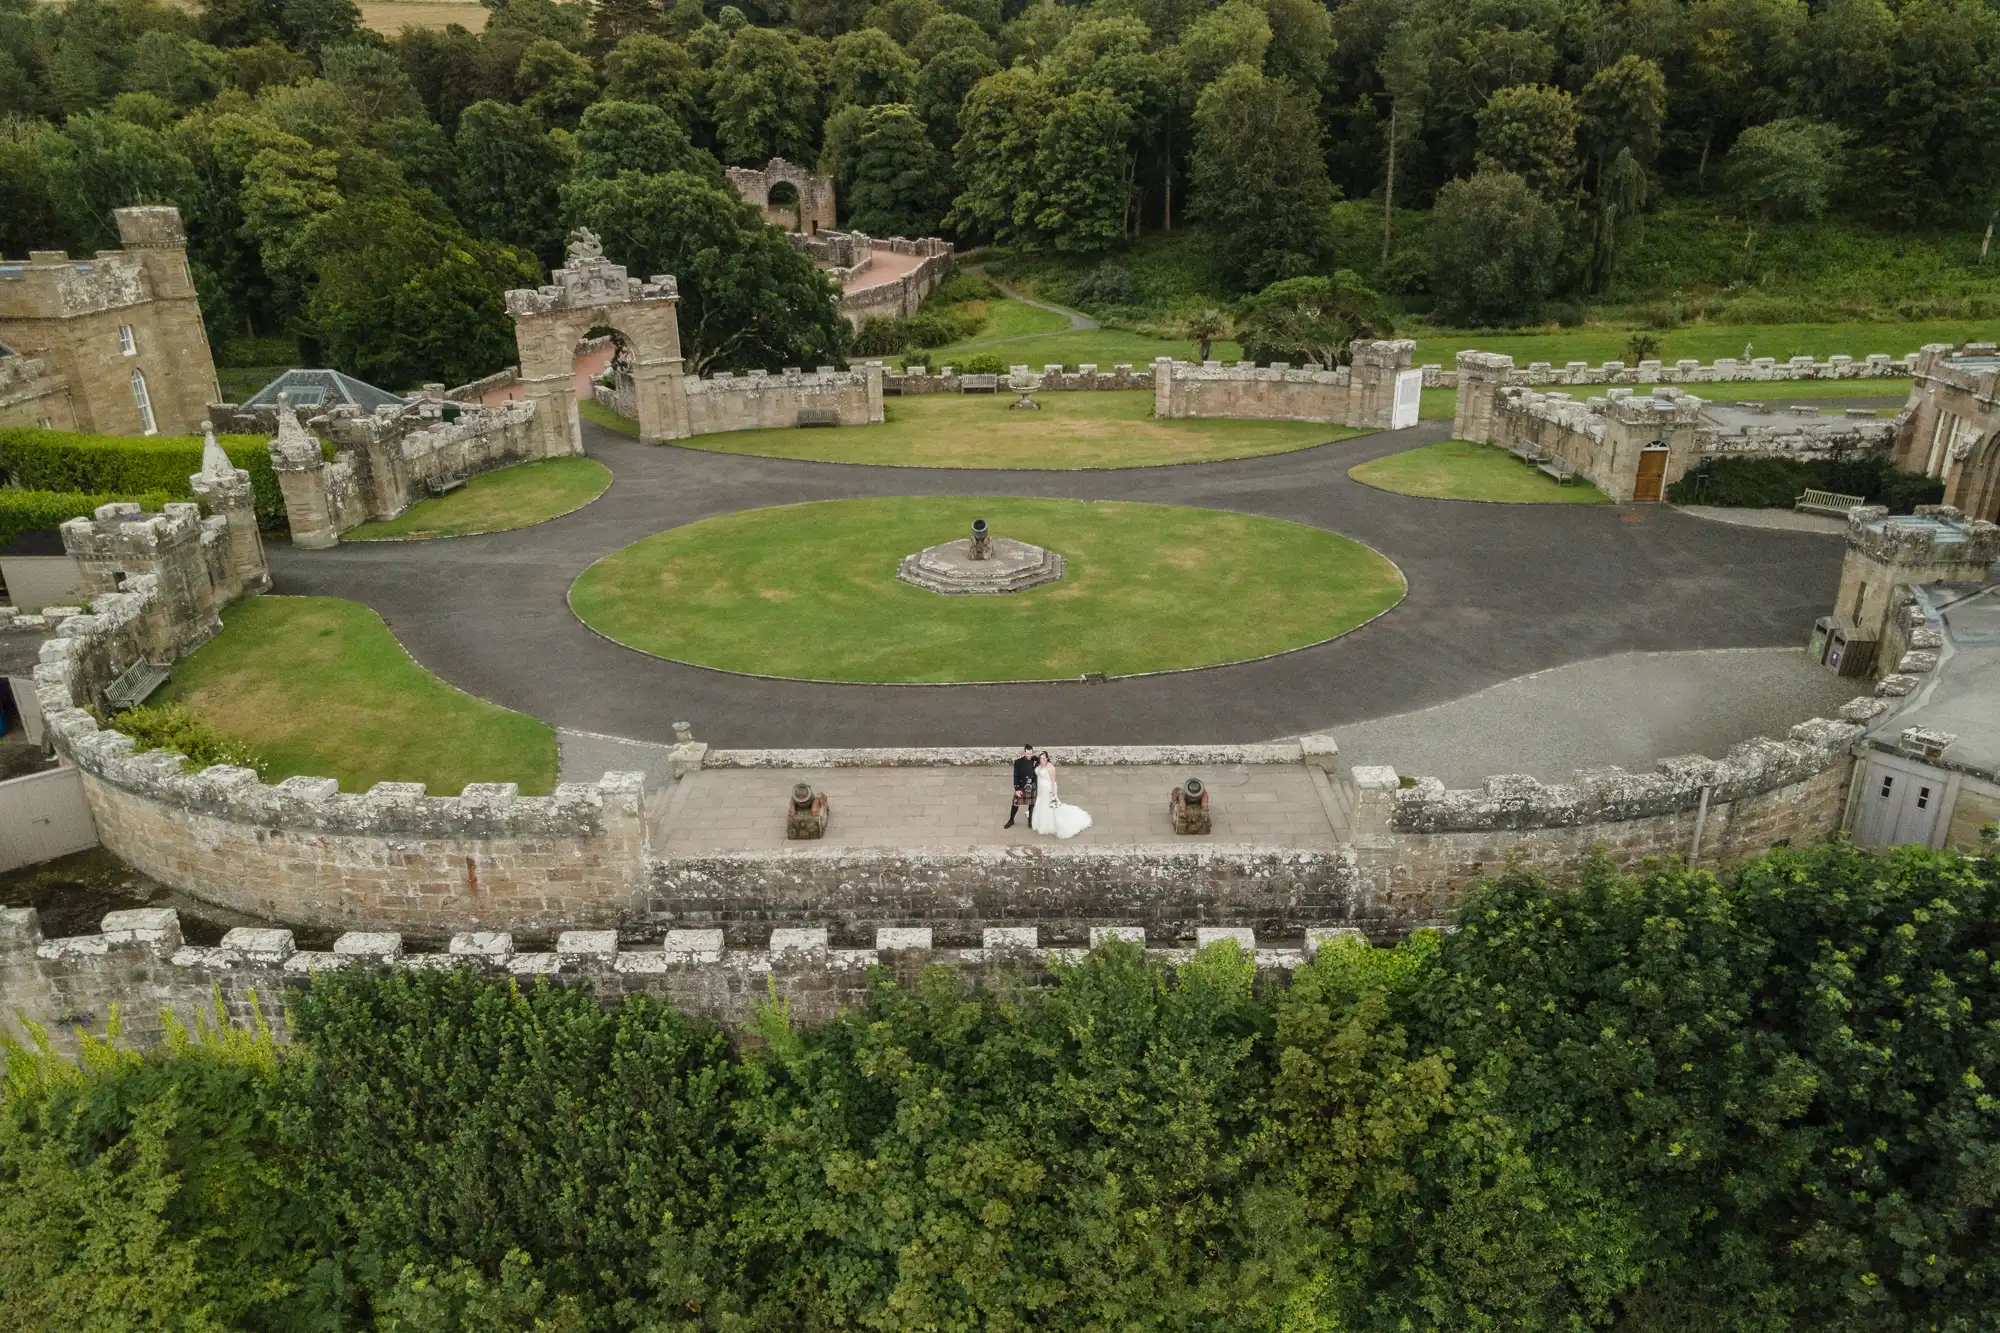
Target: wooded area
[[1654, 1102], [376, 195]]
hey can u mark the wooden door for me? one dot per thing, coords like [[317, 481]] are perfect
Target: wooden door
[[1900, 803], [1652, 479]]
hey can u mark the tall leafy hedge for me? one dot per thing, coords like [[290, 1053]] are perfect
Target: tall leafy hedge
[[36, 511], [1774, 483], [62, 460]]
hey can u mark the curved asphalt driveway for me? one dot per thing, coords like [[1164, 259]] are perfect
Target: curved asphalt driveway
[[1495, 591]]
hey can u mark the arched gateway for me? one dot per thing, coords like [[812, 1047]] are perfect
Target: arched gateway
[[591, 292]]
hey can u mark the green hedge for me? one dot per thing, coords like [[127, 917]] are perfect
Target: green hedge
[[1774, 483], [60, 460], [36, 511]]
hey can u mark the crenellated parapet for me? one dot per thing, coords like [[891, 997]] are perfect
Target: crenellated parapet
[[1376, 391]]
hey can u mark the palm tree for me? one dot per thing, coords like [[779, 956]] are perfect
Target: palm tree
[[1205, 327]]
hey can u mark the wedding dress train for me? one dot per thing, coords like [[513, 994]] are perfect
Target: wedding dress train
[[1050, 815]]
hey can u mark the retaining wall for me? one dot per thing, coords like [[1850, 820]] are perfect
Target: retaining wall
[[139, 963], [760, 400], [1724, 370], [1360, 394]]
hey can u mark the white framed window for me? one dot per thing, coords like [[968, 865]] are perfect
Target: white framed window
[[45, 423], [144, 401], [126, 346]]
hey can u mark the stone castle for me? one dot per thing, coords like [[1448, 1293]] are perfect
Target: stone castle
[[112, 345]]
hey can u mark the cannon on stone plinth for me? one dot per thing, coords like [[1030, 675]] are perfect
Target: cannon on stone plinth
[[1187, 806], [806, 815]]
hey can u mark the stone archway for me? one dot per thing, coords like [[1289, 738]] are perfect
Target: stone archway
[[806, 207], [591, 292]]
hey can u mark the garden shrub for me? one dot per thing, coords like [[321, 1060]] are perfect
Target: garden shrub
[[983, 363], [62, 460], [1774, 483], [42, 511], [176, 727], [939, 327], [881, 336], [1108, 284], [967, 287]]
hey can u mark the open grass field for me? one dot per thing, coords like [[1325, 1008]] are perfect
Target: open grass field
[[1461, 470], [811, 591], [1706, 342], [1112, 429], [1026, 335], [393, 16], [321, 687], [513, 497]]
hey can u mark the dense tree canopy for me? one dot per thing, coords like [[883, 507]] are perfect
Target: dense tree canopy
[[1654, 1103]]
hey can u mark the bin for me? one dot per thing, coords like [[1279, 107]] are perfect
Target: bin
[[1822, 632], [1849, 656]]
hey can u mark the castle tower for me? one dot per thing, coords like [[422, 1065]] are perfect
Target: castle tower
[[301, 469], [1936, 544], [225, 490], [120, 543]]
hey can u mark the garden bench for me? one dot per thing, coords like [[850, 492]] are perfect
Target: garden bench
[[1528, 453], [1564, 473], [440, 486], [1826, 502], [134, 683], [818, 416]]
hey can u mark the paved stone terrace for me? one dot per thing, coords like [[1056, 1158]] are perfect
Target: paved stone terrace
[[734, 810], [1496, 591]]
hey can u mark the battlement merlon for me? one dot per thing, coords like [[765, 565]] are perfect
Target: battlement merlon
[[151, 226], [294, 450], [122, 529], [1390, 353], [1934, 535]]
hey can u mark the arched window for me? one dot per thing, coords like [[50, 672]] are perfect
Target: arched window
[[139, 396]]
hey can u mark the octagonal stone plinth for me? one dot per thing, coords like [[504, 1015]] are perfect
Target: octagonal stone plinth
[[949, 568]]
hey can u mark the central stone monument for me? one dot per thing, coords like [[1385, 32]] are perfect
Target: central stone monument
[[981, 563]]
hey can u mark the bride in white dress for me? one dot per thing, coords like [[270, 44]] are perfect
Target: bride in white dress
[[1050, 815]]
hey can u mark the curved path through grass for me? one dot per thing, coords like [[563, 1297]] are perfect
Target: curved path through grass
[[1099, 429], [810, 591], [1495, 591]]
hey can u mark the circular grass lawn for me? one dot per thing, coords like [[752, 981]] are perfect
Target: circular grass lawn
[[510, 497], [810, 591]]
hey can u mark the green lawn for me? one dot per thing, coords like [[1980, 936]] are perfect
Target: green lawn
[[1081, 429], [1054, 343], [1707, 342], [810, 591], [1461, 470], [321, 687], [592, 410], [513, 497]]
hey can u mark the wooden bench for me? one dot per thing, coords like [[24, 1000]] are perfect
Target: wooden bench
[[819, 416], [1528, 453], [1563, 472], [442, 486], [134, 683], [1826, 502]]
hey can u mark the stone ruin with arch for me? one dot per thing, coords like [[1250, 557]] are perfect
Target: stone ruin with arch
[[790, 196]]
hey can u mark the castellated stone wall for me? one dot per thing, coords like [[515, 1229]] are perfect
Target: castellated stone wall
[[1050, 379], [1418, 848], [759, 399], [139, 963], [1724, 370], [385, 463], [1361, 394]]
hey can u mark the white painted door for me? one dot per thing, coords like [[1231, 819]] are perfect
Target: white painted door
[[1409, 398], [42, 816], [1900, 803]]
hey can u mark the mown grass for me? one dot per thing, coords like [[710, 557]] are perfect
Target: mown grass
[[513, 497], [811, 591], [1026, 335], [1108, 429], [1462, 470], [592, 410], [320, 686]]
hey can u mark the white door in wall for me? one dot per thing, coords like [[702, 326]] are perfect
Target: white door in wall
[[1409, 398], [1901, 802]]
